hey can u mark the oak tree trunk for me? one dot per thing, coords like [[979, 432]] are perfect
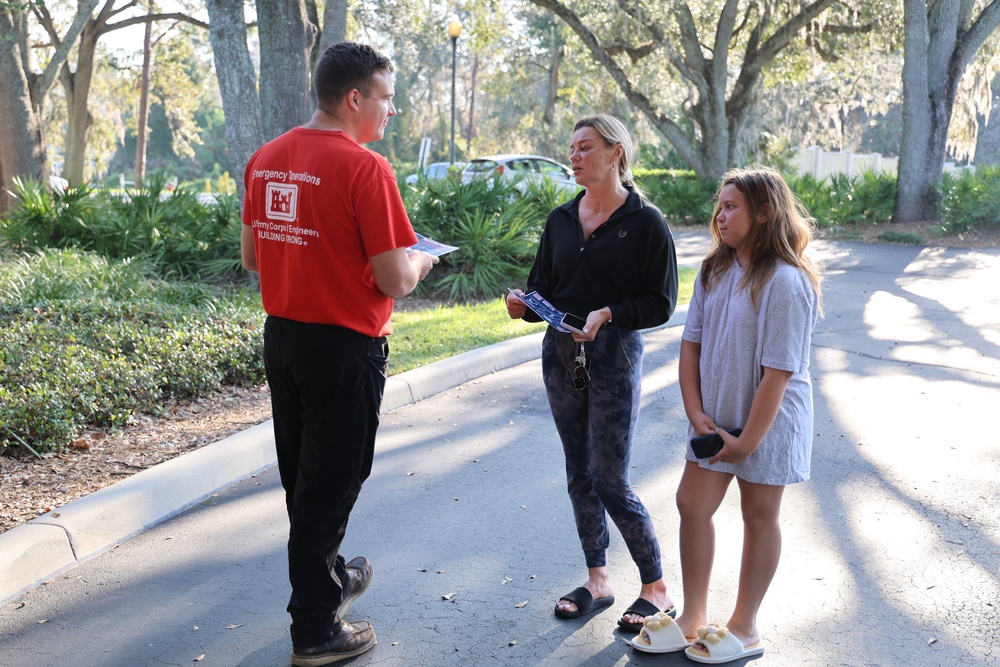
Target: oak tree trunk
[[21, 148], [237, 85], [334, 24], [920, 163], [23, 95], [939, 43], [142, 131], [286, 38], [552, 90]]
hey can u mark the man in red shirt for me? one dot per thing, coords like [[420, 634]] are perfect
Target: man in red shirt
[[324, 225]]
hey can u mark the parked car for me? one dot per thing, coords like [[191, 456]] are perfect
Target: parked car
[[435, 171], [58, 184], [526, 168]]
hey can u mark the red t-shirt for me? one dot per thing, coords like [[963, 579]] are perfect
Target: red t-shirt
[[320, 205]]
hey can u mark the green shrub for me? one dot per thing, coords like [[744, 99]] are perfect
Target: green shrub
[[495, 226], [866, 199], [86, 341], [971, 199], [641, 173], [816, 196], [680, 196], [904, 238], [50, 275], [171, 234], [45, 218], [496, 250], [876, 196]]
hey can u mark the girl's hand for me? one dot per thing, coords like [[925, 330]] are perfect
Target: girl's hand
[[732, 451], [703, 424], [515, 307], [766, 401]]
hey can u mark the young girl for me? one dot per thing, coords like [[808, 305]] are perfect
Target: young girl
[[744, 363]]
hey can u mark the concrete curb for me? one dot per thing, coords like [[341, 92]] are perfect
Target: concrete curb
[[418, 384], [44, 547], [65, 537]]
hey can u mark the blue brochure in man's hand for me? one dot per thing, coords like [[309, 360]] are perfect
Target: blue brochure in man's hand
[[431, 247]]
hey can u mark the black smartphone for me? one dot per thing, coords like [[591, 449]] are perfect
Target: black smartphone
[[707, 446], [574, 322]]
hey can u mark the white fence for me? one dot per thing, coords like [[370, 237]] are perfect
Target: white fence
[[820, 164]]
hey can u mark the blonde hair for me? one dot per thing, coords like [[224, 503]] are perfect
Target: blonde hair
[[613, 132], [780, 229]]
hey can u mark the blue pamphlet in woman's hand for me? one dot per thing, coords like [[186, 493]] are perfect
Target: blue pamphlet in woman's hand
[[543, 309]]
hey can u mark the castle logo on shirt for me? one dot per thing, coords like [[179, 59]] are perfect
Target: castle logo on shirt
[[282, 201]]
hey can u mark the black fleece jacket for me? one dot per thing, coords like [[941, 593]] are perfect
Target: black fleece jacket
[[628, 264]]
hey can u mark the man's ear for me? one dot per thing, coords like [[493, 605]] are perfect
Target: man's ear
[[354, 99]]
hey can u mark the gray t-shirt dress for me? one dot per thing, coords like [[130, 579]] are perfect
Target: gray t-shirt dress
[[737, 340]]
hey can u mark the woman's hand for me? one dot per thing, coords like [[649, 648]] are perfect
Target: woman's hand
[[595, 320], [515, 307]]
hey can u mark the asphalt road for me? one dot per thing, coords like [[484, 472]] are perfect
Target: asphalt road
[[891, 551]]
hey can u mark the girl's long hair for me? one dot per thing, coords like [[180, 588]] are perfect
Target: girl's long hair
[[780, 229]]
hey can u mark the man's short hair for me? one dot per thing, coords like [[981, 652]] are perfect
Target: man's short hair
[[344, 67]]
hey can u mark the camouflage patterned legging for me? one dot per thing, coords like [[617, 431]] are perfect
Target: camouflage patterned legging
[[596, 427]]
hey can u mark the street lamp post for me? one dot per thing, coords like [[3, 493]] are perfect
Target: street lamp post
[[454, 30]]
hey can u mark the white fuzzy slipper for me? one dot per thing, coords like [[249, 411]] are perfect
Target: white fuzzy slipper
[[659, 634], [716, 645]]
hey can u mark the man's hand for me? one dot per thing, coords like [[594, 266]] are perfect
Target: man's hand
[[398, 271], [422, 262]]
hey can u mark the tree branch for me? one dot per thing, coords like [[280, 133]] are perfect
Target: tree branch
[[673, 132], [784, 35], [755, 60], [48, 77], [642, 18], [723, 38], [746, 18], [837, 29], [825, 55], [635, 53], [753, 41], [658, 35], [152, 18], [41, 12], [693, 57], [972, 39]]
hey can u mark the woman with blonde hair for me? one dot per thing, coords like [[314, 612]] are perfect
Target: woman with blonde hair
[[608, 257]]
